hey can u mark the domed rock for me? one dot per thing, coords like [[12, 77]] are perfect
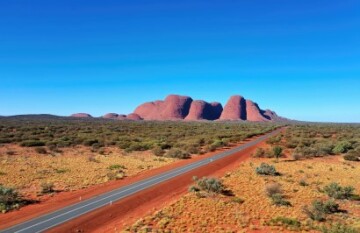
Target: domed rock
[[217, 109], [121, 117], [201, 110], [81, 115], [253, 112], [235, 109], [150, 110], [133, 117], [110, 116], [174, 107]]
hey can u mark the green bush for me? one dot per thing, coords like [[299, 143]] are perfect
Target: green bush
[[41, 150], [9, 199], [342, 147], [266, 169], [278, 199], [209, 185], [277, 151], [336, 191], [177, 153], [116, 167], [283, 221], [32, 143], [352, 155], [158, 151], [319, 209]]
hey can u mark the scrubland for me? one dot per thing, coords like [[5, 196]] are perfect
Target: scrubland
[[311, 186], [42, 156]]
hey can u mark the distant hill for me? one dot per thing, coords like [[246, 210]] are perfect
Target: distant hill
[[177, 107]]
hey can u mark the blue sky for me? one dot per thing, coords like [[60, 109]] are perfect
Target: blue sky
[[299, 58]]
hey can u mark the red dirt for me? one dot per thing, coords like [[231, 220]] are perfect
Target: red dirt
[[114, 217]]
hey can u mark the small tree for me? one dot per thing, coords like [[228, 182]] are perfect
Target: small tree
[[277, 151]]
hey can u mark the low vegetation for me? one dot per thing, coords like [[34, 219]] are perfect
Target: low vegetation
[[9, 199], [316, 191]]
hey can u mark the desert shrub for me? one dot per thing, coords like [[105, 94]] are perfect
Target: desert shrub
[[115, 175], [295, 156], [158, 151], [138, 146], [116, 167], [47, 188], [41, 150], [303, 183], [61, 170], [10, 152], [32, 143], [274, 140], [208, 185], [323, 149], [319, 209], [277, 151], [90, 142], [352, 155], [192, 149], [177, 153], [272, 189], [283, 221], [342, 147], [336, 191], [259, 153], [278, 199], [9, 199], [266, 169], [237, 200], [338, 228]]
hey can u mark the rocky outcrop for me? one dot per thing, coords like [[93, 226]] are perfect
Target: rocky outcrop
[[254, 113], [201, 110], [133, 117], [235, 109], [110, 116], [177, 107], [174, 107], [81, 115]]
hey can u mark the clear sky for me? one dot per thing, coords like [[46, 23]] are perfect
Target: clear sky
[[299, 58]]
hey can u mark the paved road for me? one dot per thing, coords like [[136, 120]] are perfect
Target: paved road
[[58, 217]]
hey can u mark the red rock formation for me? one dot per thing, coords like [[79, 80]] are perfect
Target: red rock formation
[[174, 107], [121, 117], [253, 112], [81, 115], [110, 116], [133, 117], [235, 109], [201, 110]]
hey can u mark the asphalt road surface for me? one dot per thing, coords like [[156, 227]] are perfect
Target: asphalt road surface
[[60, 216]]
